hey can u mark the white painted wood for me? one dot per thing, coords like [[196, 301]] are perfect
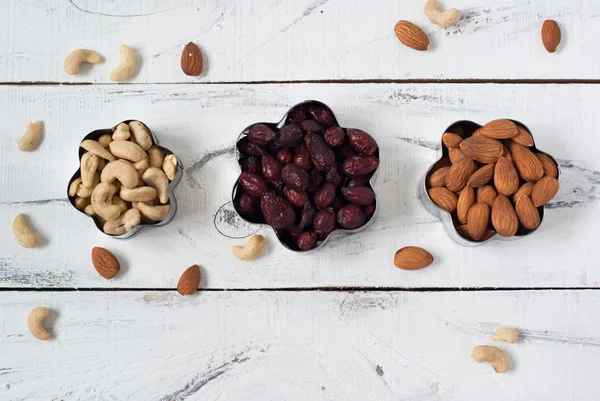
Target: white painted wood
[[297, 40], [201, 123], [299, 346]]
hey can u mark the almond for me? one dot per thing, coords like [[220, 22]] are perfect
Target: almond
[[451, 140], [189, 280], [482, 176], [506, 178], [523, 138], [549, 166], [477, 132], [411, 35], [455, 155], [438, 177], [443, 198], [528, 214], [106, 264], [499, 129], [463, 231], [504, 217], [191, 60], [550, 35], [529, 167], [478, 219], [412, 258], [508, 154], [459, 173], [544, 190], [486, 194], [483, 149], [465, 201], [525, 190]]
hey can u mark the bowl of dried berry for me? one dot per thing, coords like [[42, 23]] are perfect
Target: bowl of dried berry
[[491, 182], [306, 177]]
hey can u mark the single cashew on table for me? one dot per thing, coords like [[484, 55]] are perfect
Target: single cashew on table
[[493, 355], [126, 66], [508, 334], [252, 250], [442, 18], [31, 137], [23, 234], [78, 56], [34, 323]]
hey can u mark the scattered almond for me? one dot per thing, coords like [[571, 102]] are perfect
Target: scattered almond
[[482, 176], [483, 149], [459, 173], [411, 35], [477, 220], [527, 213], [412, 258], [465, 201], [191, 60], [523, 138], [189, 281], [504, 217], [438, 177], [550, 169], [528, 165], [525, 190], [499, 129], [544, 190], [444, 198], [551, 35], [506, 178], [106, 264], [486, 194], [451, 140]]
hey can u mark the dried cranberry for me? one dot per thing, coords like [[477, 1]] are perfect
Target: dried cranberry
[[369, 210], [307, 215], [345, 151], [321, 154], [334, 177], [260, 134], [297, 198], [294, 231], [311, 127], [325, 195], [253, 184], [295, 177], [278, 212], [360, 196], [297, 115], [324, 223], [285, 156], [316, 179], [359, 165], [247, 206], [322, 115], [358, 182], [335, 137], [351, 217], [290, 136], [361, 141], [271, 170], [302, 158], [249, 149], [250, 164], [307, 241]]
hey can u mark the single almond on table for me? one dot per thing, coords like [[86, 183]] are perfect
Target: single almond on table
[[529, 166], [191, 60], [527, 213], [544, 190], [438, 177], [499, 129], [551, 35], [189, 281], [483, 149], [459, 173], [455, 155], [524, 137], [465, 201], [486, 194], [506, 178], [451, 140], [477, 220], [548, 165], [106, 264], [444, 198], [504, 217], [412, 258], [482, 176], [524, 190], [411, 35]]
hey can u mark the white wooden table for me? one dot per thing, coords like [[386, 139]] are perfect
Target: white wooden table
[[340, 324]]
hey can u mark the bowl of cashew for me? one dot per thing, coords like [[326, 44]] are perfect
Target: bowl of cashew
[[125, 180]]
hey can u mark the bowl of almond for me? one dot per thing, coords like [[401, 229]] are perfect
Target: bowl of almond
[[491, 182]]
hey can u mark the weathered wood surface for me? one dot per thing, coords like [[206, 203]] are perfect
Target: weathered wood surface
[[201, 123], [293, 40], [299, 346]]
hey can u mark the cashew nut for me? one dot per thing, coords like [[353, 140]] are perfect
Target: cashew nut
[[105, 139], [93, 146], [141, 134], [121, 132], [141, 167], [122, 171], [251, 250], [508, 334], [127, 150], [117, 200], [87, 192], [73, 186], [78, 56], [442, 18], [35, 323], [139, 194], [157, 179], [23, 234], [170, 166], [82, 203], [124, 223], [89, 210], [89, 165], [155, 156], [102, 201], [101, 164], [493, 355], [31, 137], [126, 66], [153, 213]]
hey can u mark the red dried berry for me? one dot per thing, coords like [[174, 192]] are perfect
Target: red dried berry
[[253, 184], [359, 166], [324, 223], [271, 170], [307, 241], [351, 217], [307, 215], [297, 198], [302, 158], [321, 154], [251, 164], [295, 177], [361, 141], [278, 212], [360, 196], [290, 136], [335, 137], [261, 135], [322, 115], [325, 195], [311, 127], [285, 156]]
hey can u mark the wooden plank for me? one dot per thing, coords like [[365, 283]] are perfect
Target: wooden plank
[[299, 345], [292, 40], [201, 123]]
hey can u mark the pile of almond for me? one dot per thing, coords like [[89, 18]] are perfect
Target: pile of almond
[[492, 180]]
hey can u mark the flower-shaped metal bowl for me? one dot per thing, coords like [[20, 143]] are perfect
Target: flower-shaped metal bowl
[[449, 220], [95, 135], [281, 235]]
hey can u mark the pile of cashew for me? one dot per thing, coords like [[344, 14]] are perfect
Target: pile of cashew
[[124, 179]]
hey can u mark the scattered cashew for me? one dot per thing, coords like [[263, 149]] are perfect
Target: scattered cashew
[[102, 201], [93, 146], [105, 139], [121, 133], [122, 171], [141, 167], [154, 213], [155, 156], [78, 56], [251, 250], [508, 334], [101, 164], [124, 223], [35, 323], [442, 18], [141, 134], [139, 194], [493, 355], [73, 186], [127, 150], [89, 210], [170, 166], [82, 203], [23, 234], [89, 165], [126, 66], [117, 200], [31, 137], [87, 192], [157, 179]]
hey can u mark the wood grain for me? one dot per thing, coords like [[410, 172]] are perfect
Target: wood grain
[[201, 123]]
